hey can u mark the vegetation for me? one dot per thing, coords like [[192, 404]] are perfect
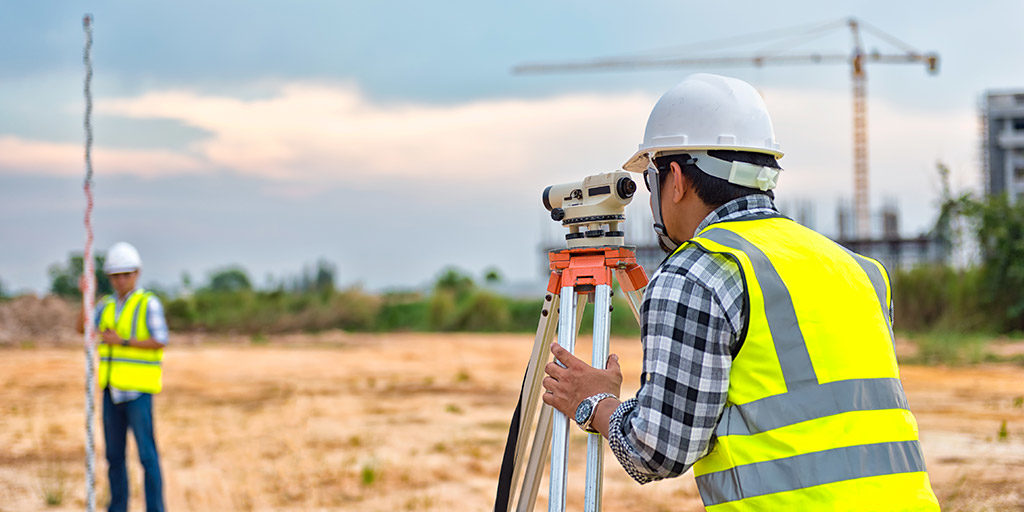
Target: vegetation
[[64, 277], [985, 297], [945, 309], [308, 302]]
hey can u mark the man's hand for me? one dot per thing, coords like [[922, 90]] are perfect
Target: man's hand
[[110, 338], [567, 387]]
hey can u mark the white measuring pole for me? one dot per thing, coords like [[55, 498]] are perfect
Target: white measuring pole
[[595, 456], [88, 272], [560, 426]]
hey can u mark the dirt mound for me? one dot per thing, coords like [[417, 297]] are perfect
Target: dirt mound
[[46, 321]]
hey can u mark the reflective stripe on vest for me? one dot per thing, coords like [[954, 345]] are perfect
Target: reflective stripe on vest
[[816, 413], [129, 368]]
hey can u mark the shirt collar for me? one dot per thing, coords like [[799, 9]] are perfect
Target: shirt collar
[[753, 204], [119, 300]]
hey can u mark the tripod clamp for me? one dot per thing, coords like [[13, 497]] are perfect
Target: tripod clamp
[[584, 268]]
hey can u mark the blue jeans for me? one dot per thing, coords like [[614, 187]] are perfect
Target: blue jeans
[[117, 419]]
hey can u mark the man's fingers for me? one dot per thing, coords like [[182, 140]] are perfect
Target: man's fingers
[[562, 355], [613, 364], [554, 370], [548, 398]]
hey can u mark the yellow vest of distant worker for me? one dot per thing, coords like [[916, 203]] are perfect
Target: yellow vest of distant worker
[[816, 417], [129, 368]]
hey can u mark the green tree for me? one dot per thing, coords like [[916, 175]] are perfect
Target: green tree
[[323, 280], [456, 282], [998, 227], [492, 275], [229, 279], [64, 277]]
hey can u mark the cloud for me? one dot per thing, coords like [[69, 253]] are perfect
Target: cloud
[[323, 132], [311, 134], [60, 159]]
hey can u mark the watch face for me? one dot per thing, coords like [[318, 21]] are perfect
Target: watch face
[[583, 411]]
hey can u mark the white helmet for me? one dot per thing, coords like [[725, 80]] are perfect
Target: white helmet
[[707, 112], [704, 113], [122, 257]]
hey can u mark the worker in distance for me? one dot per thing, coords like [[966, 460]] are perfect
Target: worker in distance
[[769, 364], [132, 334]]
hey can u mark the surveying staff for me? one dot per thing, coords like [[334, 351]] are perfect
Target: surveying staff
[[133, 334], [769, 363]]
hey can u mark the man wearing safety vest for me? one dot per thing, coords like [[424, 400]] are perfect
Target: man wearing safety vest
[[132, 335], [769, 363]]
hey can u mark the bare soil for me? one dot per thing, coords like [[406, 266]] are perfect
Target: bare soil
[[407, 422]]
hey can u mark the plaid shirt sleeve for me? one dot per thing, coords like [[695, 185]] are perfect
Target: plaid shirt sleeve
[[692, 318]]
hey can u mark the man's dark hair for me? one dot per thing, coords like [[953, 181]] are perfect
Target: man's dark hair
[[715, 191]]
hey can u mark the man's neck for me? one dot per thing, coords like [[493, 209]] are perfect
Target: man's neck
[[127, 294]]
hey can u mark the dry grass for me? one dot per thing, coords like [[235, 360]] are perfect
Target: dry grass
[[405, 422]]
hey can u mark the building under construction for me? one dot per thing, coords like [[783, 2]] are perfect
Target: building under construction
[[1002, 115], [888, 245]]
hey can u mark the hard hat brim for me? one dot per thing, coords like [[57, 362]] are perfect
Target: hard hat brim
[[120, 270], [640, 160]]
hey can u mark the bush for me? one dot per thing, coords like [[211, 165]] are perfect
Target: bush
[[403, 312], [442, 310], [252, 312], [483, 311], [938, 297]]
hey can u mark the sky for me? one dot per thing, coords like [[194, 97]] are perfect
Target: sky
[[391, 139]]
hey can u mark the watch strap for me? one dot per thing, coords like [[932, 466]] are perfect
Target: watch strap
[[594, 400]]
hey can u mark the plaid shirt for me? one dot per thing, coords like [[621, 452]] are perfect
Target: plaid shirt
[[693, 314]]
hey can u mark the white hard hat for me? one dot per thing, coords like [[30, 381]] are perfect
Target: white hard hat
[[122, 257], [707, 112]]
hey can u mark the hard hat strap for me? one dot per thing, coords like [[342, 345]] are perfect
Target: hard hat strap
[[740, 173]]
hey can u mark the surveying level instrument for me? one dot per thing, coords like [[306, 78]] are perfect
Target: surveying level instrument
[[593, 211]]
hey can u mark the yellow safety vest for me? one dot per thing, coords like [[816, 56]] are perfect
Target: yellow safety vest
[[129, 368], [816, 417]]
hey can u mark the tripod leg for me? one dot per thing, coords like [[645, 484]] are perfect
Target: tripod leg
[[560, 423], [633, 298], [542, 438], [535, 464], [526, 409], [595, 455]]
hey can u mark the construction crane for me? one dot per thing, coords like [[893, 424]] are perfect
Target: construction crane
[[785, 40]]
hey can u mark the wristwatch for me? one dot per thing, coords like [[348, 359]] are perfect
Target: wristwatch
[[585, 411]]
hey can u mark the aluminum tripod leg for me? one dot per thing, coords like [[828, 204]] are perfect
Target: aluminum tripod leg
[[595, 455], [542, 438], [560, 422]]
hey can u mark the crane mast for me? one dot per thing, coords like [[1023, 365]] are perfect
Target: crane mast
[[857, 60], [861, 194]]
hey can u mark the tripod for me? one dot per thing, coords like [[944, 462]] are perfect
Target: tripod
[[578, 275]]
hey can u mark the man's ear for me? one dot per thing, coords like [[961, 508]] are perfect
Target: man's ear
[[680, 185]]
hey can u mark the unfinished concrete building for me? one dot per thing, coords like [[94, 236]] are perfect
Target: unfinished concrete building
[[1003, 142]]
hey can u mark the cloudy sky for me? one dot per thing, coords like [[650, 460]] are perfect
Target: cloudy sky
[[391, 139]]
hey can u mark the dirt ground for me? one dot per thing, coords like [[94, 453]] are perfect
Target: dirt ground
[[407, 422]]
